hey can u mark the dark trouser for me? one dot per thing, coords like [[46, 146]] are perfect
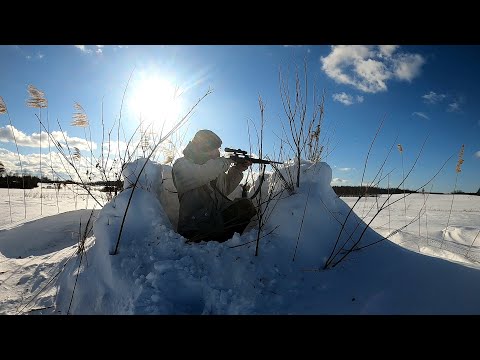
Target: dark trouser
[[235, 219]]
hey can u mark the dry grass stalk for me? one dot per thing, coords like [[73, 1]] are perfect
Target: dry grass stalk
[[332, 253], [76, 154], [3, 107], [264, 204], [179, 123], [470, 247], [144, 141], [80, 118], [37, 98], [400, 149], [82, 237], [3, 170], [460, 159], [4, 110], [331, 262], [304, 126], [458, 169]]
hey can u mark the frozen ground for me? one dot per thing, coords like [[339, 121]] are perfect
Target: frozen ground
[[435, 270]]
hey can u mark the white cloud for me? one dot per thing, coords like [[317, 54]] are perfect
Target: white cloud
[[83, 48], [374, 75], [347, 99], [344, 169], [453, 107], [98, 49], [50, 161], [338, 181], [33, 140], [343, 98], [387, 50], [369, 68], [433, 98], [342, 56], [38, 56], [477, 154], [423, 115], [31, 163], [114, 146], [407, 66]]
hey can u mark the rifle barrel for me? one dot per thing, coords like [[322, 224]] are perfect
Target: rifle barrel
[[239, 155], [254, 160]]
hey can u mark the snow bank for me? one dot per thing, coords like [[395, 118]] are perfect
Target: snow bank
[[156, 272], [145, 213]]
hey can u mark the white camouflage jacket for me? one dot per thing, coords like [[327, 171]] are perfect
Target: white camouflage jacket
[[200, 203]]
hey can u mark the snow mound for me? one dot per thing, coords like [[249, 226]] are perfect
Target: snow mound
[[154, 271]]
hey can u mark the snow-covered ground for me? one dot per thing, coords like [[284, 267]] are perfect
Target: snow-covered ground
[[430, 214], [435, 270], [37, 203]]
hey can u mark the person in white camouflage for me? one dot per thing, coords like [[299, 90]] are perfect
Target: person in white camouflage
[[204, 180]]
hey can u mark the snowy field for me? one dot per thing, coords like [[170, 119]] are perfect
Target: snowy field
[[435, 270], [15, 209], [422, 219]]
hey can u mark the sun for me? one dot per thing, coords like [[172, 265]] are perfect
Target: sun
[[155, 101]]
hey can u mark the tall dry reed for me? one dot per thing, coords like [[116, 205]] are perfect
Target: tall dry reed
[[4, 110], [458, 170], [38, 100]]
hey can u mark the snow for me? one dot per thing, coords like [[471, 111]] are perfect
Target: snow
[[424, 268]]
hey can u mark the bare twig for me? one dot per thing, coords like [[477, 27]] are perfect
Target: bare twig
[[351, 209], [178, 125], [471, 245], [458, 169], [354, 246]]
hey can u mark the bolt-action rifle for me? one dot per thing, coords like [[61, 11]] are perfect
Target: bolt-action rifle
[[240, 155]]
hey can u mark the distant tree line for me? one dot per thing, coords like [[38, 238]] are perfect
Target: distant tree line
[[30, 182], [16, 182], [374, 191], [466, 193], [371, 191]]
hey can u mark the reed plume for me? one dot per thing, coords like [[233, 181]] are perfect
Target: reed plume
[[3, 107], [38, 100], [79, 117]]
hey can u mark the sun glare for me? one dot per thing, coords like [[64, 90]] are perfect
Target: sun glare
[[155, 101]]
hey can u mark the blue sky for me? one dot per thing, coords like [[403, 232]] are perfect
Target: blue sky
[[421, 91]]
